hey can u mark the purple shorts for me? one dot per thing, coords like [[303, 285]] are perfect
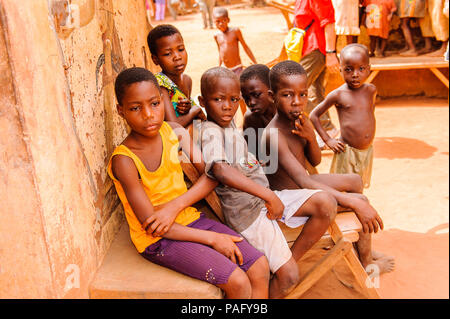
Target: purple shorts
[[198, 260]]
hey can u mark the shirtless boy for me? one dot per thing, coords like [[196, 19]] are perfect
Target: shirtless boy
[[355, 104], [288, 86], [255, 92], [227, 40]]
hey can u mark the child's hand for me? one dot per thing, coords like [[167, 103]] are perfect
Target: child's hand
[[183, 106], [304, 127], [225, 244], [201, 115], [367, 215], [336, 146], [275, 207], [161, 220]]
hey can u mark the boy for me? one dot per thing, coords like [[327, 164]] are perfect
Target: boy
[[164, 228], [249, 206], [255, 92], [355, 104], [288, 86], [227, 40]]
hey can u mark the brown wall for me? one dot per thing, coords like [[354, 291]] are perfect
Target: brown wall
[[58, 126]]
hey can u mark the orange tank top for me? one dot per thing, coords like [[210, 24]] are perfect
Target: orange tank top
[[161, 186]]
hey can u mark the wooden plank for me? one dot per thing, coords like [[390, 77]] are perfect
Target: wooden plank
[[440, 76], [320, 268], [407, 66], [360, 274]]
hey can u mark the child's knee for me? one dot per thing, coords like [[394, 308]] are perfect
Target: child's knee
[[356, 184], [260, 270], [288, 277], [239, 284], [325, 205]]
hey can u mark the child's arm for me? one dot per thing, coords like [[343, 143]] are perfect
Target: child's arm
[[331, 99], [368, 216], [169, 111], [245, 46], [218, 48], [305, 130], [197, 192], [231, 177]]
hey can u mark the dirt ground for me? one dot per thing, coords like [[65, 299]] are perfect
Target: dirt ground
[[410, 187]]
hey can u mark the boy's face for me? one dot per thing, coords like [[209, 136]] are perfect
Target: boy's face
[[221, 22], [256, 95], [142, 108], [291, 96], [355, 68], [171, 54], [222, 100]]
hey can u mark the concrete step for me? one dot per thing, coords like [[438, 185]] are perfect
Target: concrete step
[[126, 274]]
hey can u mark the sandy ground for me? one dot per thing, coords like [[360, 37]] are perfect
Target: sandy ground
[[410, 187]]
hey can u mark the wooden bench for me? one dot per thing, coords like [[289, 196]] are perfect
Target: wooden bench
[[408, 63], [286, 9]]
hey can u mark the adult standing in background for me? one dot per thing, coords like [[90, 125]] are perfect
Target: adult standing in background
[[319, 53], [206, 7]]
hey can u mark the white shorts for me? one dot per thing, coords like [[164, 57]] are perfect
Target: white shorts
[[265, 234]]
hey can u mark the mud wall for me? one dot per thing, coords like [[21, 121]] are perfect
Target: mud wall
[[58, 126]]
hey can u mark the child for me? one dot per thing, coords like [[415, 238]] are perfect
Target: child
[[168, 51], [346, 13], [255, 92], [227, 40], [149, 182], [288, 85], [378, 18], [355, 104], [249, 206]]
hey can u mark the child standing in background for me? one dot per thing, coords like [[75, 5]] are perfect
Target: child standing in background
[[355, 104], [227, 40], [378, 16]]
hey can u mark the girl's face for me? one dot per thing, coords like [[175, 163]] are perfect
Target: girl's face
[[171, 54], [142, 108]]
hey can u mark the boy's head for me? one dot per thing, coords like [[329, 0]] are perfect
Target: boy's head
[[221, 19], [289, 89], [220, 95], [255, 88], [167, 48], [139, 100], [355, 66]]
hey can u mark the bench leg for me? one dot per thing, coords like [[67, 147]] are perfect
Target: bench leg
[[440, 76], [372, 76], [319, 269]]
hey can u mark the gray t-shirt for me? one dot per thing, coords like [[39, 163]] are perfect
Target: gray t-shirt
[[227, 145]]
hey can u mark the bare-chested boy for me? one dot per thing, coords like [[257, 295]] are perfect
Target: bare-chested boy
[[355, 105], [227, 40], [260, 107], [288, 86]]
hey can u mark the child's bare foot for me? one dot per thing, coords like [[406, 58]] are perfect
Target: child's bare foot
[[378, 255], [385, 264], [410, 52]]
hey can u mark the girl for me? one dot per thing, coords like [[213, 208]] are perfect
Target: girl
[[168, 51]]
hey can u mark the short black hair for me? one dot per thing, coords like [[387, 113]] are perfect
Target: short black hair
[[284, 68], [361, 47], [220, 11], [130, 76], [158, 32], [256, 71], [208, 78]]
